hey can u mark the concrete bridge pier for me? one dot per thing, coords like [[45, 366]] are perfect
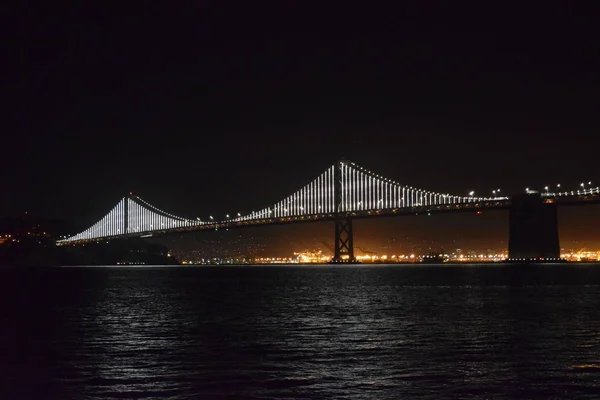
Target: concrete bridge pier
[[533, 230]]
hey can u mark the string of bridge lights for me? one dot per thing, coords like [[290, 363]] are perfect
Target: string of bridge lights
[[572, 192], [362, 190], [142, 219], [169, 215], [112, 224], [139, 219]]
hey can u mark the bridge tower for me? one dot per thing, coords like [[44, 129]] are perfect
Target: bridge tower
[[126, 213], [344, 238], [533, 230]]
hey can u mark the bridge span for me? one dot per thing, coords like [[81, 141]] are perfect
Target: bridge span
[[344, 192]]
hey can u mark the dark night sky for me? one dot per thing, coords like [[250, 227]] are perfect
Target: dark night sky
[[216, 108]]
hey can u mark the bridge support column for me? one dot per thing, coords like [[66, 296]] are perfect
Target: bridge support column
[[344, 241], [533, 230]]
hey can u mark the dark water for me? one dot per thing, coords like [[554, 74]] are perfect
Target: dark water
[[366, 332]]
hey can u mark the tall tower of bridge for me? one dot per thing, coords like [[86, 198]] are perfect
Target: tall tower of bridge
[[344, 237]]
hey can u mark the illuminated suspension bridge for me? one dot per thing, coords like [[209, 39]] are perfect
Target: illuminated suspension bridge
[[343, 192]]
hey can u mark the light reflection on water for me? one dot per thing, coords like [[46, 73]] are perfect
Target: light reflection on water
[[301, 332]]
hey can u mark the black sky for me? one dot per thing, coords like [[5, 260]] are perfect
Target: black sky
[[220, 107]]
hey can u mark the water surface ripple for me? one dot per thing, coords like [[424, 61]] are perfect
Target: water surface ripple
[[343, 332]]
